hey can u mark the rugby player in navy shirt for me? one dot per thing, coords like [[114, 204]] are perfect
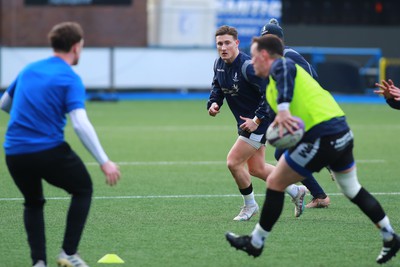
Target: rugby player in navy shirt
[[328, 141], [235, 81]]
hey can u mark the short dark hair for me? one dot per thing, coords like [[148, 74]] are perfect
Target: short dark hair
[[227, 30], [271, 43], [64, 35]]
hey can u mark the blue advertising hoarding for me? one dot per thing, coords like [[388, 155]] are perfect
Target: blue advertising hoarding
[[247, 16]]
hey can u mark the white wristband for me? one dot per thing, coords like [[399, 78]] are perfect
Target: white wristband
[[283, 106], [255, 119]]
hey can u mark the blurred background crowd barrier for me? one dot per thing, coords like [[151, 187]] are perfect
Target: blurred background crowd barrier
[[169, 44]]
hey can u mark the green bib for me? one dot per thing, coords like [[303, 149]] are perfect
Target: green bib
[[310, 101]]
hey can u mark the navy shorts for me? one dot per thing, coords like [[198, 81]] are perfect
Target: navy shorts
[[334, 151]]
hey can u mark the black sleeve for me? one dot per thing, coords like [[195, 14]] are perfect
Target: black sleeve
[[260, 85], [393, 103], [216, 94]]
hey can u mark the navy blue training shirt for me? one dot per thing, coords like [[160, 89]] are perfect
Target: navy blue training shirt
[[243, 90]]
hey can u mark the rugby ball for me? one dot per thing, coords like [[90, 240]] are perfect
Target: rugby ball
[[287, 140]]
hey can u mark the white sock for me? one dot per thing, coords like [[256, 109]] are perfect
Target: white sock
[[249, 199], [258, 236], [386, 229], [292, 190]]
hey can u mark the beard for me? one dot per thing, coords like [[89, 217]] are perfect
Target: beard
[[75, 61]]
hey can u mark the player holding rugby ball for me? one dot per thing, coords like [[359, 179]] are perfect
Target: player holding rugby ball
[[328, 141]]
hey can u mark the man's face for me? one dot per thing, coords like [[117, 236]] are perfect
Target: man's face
[[259, 59], [228, 47]]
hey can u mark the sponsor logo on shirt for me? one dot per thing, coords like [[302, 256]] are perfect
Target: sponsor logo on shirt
[[233, 92]]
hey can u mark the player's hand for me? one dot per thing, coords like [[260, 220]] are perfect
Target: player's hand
[[384, 89], [111, 171], [248, 125], [285, 120], [213, 110], [395, 92]]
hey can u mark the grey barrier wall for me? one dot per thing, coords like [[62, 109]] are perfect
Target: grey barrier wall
[[182, 68], [124, 68]]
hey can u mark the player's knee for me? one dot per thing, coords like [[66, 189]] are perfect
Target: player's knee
[[348, 183], [35, 203], [263, 171], [274, 183], [86, 192], [232, 163], [253, 172], [257, 172], [83, 190]]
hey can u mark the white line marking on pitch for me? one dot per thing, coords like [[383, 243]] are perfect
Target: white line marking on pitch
[[181, 196], [152, 163]]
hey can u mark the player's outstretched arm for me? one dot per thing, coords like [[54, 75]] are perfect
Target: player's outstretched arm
[[86, 133]]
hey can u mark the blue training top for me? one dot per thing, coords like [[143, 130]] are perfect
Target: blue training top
[[43, 93]]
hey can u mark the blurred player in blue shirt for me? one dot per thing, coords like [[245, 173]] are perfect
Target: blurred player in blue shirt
[[38, 101]]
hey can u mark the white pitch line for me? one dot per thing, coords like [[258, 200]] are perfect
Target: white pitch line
[[167, 128], [154, 163], [143, 163], [182, 196]]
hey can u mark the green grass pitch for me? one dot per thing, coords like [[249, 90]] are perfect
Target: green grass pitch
[[176, 198]]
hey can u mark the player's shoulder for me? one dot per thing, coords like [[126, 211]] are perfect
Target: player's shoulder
[[294, 55], [243, 57], [38, 64], [244, 61], [290, 50], [282, 67], [283, 62]]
